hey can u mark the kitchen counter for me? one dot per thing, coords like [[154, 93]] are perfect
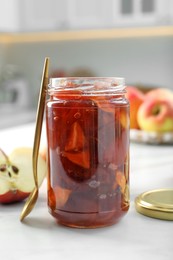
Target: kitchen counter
[[134, 237]]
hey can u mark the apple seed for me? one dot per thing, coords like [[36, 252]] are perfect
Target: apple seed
[[9, 174], [15, 169], [3, 167]]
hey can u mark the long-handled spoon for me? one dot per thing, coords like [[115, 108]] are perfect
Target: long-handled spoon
[[30, 203]]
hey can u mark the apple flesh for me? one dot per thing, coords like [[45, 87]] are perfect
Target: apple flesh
[[16, 174], [156, 115], [43, 152], [136, 98]]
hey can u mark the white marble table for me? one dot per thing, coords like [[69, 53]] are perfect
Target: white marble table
[[135, 237]]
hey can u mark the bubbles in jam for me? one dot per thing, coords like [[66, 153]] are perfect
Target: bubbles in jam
[[88, 160]]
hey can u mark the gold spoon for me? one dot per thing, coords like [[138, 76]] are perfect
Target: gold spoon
[[30, 203]]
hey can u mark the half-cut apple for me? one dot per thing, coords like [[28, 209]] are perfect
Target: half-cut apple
[[16, 174]]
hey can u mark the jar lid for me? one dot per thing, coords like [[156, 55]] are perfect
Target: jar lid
[[156, 204]]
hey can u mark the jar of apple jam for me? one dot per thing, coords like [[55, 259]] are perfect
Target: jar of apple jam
[[87, 121]]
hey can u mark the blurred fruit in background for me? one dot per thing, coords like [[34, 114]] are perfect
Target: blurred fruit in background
[[152, 110], [136, 98]]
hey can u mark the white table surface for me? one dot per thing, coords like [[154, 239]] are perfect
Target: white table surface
[[134, 237]]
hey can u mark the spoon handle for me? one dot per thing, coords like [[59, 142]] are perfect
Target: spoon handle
[[39, 120]]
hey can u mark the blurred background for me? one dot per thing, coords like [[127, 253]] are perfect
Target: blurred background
[[124, 38]]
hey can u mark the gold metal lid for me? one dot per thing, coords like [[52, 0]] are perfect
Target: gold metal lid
[[156, 204]]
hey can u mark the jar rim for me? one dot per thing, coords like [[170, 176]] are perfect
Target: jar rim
[[88, 85]]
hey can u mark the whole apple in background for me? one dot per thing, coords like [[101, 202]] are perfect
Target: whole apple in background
[[136, 98], [160, 94], [16, 174], [156, 115]]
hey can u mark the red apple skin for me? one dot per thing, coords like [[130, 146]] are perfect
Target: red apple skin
[[13, 196], [156, 115], [136, 98], [160, 94]]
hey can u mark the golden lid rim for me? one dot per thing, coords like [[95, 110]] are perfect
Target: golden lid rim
[[156, 204]]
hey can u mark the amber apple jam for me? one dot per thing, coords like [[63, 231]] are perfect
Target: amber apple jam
[[87, 122]]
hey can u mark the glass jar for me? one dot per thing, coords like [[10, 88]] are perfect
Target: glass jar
[[87, 122]]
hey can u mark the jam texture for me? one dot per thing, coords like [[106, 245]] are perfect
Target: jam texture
[[88, 159]]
